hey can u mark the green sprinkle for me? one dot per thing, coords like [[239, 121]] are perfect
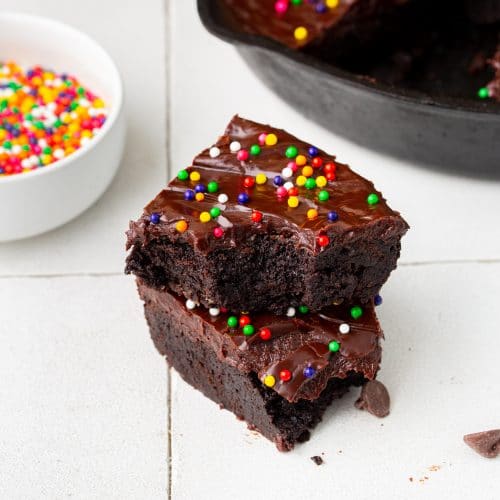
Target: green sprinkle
[[7, 145], [25, 147], [334, 346], [47, 150], [81, 91], [291, 152], [3, 104], [255, 149], [73, 105], [39, 125], [372, 199], [183, 175], [311, 183], [58, 123], [29, 117], [212, 187], [214, 212], [303, 309], [483, 93], [248, 330], [356, 312], [296, 2], [232, 322], [323, 195]]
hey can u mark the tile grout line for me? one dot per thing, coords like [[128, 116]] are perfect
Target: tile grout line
[[167, 5]]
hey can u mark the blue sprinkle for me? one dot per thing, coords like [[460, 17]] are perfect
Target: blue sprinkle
[[278, 180], [333, 216], [154, 218], [189, 195], [200, 188], [309, 372], [377, 300], [243, 198], [313, 151], [320, 8]]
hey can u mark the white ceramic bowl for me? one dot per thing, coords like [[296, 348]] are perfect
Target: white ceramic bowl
[[34, 202]]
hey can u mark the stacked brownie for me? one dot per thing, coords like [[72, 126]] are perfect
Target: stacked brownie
[[260, 267]]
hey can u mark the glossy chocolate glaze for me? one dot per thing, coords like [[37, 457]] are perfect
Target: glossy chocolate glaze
[[260, 17], [295, 343], [348, 197]]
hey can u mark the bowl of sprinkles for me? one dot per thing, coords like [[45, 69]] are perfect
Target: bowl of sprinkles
[[62, 128]]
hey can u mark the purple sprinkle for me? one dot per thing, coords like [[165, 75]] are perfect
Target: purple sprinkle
[[189, 195], [309, 372], [377, 300]]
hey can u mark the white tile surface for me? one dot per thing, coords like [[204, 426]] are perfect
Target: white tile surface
[[451, 217], [441, 367], [134, 35], [83, 393]]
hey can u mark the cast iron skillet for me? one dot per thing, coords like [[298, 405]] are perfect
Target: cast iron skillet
[[451, 134]]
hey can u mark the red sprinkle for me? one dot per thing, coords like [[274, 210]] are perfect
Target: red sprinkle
[[323, 240], [248, 182], [256, 216], [330, 167], [218, 232], [265, 333], [293, 191], [285, 375], [317, 162], [242, 155], [244, 320]]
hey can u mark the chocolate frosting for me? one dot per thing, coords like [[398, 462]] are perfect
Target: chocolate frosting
[[260, 17], [295, 344], [347, 196], [494, 85]]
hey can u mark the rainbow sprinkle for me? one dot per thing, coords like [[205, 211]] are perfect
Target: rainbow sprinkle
[[44, 117]]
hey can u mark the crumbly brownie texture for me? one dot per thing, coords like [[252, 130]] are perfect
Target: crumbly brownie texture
[[308, 23], [261, 235], [280, 378]]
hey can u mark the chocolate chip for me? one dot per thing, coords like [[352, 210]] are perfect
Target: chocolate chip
[[486, 443], [317, 460], [374, 398]]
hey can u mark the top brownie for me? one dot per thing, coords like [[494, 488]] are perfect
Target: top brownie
[[305, 23], [264, 221]]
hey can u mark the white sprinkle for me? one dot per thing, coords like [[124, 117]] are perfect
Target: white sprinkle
[[235, 146], [190, 304], [84, 141], [286, 173], [42, 143], [84, 102], [288, 185], [59, 154], [214, 152], [223, 198], [26, 163], [73, 115], [16, 149], [290, 312], [57, 82], [214, 311], [344, 328], [52, 106]]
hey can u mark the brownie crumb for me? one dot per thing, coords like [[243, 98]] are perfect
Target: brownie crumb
[[486, 443], [317, 460], [374, 398], [410, 479]]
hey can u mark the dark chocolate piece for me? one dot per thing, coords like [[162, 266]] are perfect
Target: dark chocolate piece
[[317, 460], [233, 369], [266, 254], [374, 398], [486, 443]]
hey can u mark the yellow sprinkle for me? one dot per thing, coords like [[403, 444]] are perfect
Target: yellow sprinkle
[[307, 171], [269, 381], [98, 103], [260, 178], [332, 4], [293, 202], [199, 196], [86, 133], [300, 33], [300, 160], [205, 217], [46, 159], [195, 176], [301, 180], [271, 139], [312, 214], [321, 181], [181, 226]]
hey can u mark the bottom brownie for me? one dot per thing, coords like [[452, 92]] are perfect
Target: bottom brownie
[[195, 347]]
